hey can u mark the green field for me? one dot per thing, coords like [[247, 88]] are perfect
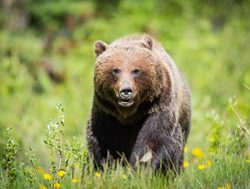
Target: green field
[[46, 87]]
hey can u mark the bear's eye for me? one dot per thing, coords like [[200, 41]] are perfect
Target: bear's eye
[[136, 72], [116, 71]]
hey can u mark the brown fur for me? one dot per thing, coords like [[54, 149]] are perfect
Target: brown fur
[[158, 120]]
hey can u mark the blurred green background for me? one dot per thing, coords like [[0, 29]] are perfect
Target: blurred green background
[[46, 58]]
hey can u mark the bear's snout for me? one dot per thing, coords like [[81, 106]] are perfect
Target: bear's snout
[[126, 98], [126, 93]]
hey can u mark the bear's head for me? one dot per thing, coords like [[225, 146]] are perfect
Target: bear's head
[[127, 76]]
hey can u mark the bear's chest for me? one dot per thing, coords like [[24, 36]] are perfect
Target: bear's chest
[[117, 139]]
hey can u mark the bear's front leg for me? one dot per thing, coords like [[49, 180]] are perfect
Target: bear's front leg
[[95, 149], [159, 142]]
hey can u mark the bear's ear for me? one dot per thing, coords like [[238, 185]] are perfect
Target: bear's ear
[[100, 47], [147, 42]]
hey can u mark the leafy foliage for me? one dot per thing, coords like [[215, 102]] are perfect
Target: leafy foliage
[[9, 159]]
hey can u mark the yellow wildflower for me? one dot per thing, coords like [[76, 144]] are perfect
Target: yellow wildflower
[[47, 176], [185, 149], [197, 152], [42, 186], [74, 180], [61, 173], [57, 185], [98, 174], [226, 186], [185, 164], [124, 177], [201, 166], [205, 165]]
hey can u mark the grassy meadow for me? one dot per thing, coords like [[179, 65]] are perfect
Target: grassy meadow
[[46, 89]]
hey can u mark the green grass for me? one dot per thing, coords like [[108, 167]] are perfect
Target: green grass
[[232, 170], [210, 43], [226, 164], [220, 168]]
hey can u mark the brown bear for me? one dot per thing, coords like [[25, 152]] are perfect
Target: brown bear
[[141, 107]]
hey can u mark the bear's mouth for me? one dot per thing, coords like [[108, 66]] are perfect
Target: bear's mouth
[[125, 102]]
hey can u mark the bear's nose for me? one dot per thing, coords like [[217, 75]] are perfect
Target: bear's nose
[[126, 93]]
